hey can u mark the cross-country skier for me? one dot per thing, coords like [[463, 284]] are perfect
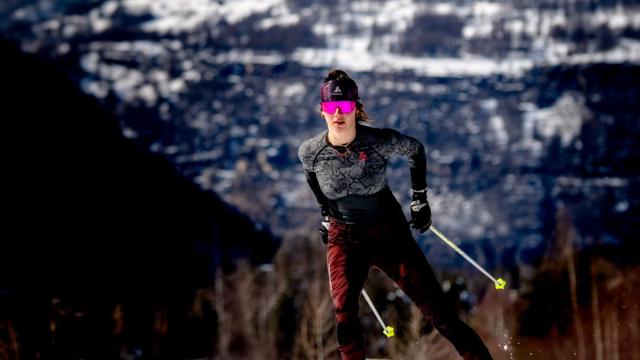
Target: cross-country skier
[[363, 223]]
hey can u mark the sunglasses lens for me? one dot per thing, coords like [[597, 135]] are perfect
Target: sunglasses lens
[[329, 107], [345, 106]]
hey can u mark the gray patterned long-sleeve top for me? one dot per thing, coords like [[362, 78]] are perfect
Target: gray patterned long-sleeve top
[[348, 182]]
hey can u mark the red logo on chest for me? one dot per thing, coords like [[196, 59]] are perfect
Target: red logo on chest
[[362, 157]]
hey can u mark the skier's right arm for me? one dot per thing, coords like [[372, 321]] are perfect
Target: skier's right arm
[[322, 202]]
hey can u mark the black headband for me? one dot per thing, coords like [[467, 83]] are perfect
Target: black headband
[[337, 90]]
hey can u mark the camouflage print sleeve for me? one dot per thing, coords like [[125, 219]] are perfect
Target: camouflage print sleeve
[[322, 200], [398, 144], [305, 154]]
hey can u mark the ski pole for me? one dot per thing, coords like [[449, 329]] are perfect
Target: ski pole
[[500, 284], [387, 330]]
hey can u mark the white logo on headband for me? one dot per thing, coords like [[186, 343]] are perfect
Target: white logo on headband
[[337, 90]]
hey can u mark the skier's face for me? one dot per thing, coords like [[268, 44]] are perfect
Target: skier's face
[[339, 120]]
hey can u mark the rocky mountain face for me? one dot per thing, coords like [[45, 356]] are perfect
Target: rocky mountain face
[[524, 108], [118, 192]]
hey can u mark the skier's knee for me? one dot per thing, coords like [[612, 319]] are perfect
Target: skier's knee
[[348, 332]]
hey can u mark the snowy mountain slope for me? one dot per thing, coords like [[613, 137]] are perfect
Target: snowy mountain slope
[[500, 92]]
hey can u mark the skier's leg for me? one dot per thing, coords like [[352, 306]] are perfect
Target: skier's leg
[[348, 270], [405, 263]]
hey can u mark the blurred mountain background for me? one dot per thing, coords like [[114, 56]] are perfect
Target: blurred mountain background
[[152, 147]]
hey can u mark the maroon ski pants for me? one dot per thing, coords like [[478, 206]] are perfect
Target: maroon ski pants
[[353, 249]]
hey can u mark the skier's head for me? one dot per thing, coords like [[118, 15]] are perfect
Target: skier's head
[[339, 93]]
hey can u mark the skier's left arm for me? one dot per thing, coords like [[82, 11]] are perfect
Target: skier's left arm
[[413, 150]]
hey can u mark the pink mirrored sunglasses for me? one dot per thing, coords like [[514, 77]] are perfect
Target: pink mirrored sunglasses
[[344, 106]]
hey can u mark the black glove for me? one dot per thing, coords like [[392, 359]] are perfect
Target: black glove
[[324, 229], [420, 211]]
